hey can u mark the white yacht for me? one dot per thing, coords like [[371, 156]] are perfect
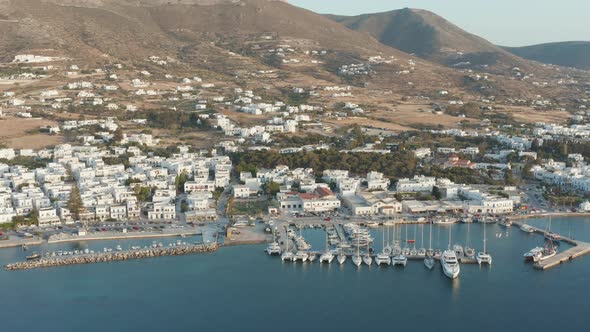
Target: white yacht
[[311, 257], [450, 264], [341, 258], [429, 259], [458, 250]]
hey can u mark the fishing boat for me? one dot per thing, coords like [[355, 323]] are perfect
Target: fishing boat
[[526, 228], [505, 223], [531, 254], [34, 255], [484, 257], [548, 251]]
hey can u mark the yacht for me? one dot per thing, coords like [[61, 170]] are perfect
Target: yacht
[[301, 255], [311, 257], [429, 259], [273, 249], [341, 258], [450, 264]]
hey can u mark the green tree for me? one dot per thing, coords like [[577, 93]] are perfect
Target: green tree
[[271, 188], [436, 193], [75, 202], [180, 181]]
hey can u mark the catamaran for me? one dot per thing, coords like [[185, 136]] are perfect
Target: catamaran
[[429, 260], [449, 261], [287, 255], [273, 249], [483, 257]]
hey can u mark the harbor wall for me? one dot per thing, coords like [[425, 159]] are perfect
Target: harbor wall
[[112, 256]]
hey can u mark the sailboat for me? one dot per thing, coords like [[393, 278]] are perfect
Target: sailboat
[[367, 259], [327, 256], [406, 249], [341, 257], [429, 260], [468, 251], [399, 258], [484, 257], [356, 258], [549, 249], [287, 255], [449, 261], [422, 250], [383, 257]]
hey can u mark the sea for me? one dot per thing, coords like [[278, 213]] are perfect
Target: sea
[[240, 288]]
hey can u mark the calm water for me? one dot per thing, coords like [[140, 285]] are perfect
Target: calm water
[[242, 289]]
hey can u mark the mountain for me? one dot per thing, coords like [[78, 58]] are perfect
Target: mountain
[[574, 54], [431, 37]]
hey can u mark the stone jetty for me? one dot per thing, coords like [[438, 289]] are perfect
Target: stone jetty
[[112, 256]]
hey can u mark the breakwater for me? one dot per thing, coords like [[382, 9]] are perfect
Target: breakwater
[[112, 256]]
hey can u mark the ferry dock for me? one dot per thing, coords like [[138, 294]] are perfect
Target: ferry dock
[[579, 249]]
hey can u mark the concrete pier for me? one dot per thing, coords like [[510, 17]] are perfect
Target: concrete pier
[[580, 249], [111, 256]]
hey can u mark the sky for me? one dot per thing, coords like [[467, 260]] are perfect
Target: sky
[[503, 22]]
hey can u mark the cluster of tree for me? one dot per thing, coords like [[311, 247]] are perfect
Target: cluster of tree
[[560, 149], [460, 175], [175, 120], [394, 165], [28, 162], [285, 140]]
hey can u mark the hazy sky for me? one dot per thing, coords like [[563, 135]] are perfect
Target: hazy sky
[[504, 22]]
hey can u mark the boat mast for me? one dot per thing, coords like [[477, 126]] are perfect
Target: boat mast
[[430, 243], [484, 239], [450, 228]]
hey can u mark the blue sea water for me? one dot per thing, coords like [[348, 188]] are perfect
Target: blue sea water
[[242, 289]]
